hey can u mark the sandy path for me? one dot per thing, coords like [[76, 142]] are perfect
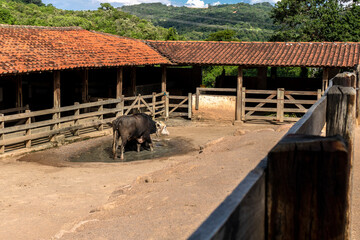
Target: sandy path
[[156, 199]]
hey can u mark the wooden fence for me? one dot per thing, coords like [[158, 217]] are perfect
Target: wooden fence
[[302, 189], [277, 105], [51, 126]]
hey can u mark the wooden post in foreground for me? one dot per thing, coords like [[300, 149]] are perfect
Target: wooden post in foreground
[[308, 180], [238, 94], [325, 79], [28, 131]]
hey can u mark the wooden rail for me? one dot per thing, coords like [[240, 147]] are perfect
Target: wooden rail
[[45, 126], [276, 105], [302, 189]]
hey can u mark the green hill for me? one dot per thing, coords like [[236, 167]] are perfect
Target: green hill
[[105, 19], [250, 22]]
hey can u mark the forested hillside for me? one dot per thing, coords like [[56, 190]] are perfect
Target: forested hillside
[[105, 19], [250, 22]]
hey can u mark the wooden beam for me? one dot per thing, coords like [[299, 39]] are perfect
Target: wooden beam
[[133, 81], [163, 78], [119, 82], [307, 184], [325, 79], [56, 89], [19, 92], [85, 86], [238, 94]]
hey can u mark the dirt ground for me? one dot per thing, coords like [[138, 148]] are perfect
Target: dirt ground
[[78, 192]]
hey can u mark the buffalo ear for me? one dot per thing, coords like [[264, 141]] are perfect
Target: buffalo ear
[[158, 125]]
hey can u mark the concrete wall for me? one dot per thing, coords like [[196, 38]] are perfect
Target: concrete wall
[[213, 107]]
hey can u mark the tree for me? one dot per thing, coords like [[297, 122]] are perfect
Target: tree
[[172, 34], [224, 35], [316, 20]]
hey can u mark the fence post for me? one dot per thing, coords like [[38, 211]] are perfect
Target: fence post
[[243, 97], [197, 99], [55, 126], [307, 184], [120, 105], [101, 116], [166, 105], [154, 104], [28, 131], [189, 105], [319, 94], [76, 121], [280, 105], [138, 103], [2, 126]]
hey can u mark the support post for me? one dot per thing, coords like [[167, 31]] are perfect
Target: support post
[[133, 81], [307, 184], [239, 86], [189, 105], [280, 105], [28, 131], [119, 82], [19, 92], [325, 79], [2, 126], [85, 86], [262, 78], [56, 89], [163, 78]]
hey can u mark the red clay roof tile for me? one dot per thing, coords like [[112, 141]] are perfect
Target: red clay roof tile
[[27, 48], [311, 54]]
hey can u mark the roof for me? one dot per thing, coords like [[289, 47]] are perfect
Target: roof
[[28, 48], [310, 54]]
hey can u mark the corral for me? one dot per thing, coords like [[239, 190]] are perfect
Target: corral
[[48, 196]]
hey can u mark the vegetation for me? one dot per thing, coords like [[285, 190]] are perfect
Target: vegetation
[[105, 19], [316, 20], [248, 22]]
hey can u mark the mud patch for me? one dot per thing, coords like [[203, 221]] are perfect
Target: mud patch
[[164, 147]]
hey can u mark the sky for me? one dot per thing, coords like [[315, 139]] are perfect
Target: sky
[[94, 4]]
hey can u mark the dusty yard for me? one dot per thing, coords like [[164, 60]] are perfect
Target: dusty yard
[[78, 192]]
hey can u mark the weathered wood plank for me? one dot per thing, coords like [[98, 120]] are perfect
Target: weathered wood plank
[[56, 89], [308, 180], [280, 105], [302, 93], [241, 215], [260, 100], [239, 86], [217, 89]]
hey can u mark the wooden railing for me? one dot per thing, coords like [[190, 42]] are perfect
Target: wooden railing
[[33, 128], [302, 188]]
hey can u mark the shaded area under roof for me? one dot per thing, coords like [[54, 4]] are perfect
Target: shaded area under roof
[[278, 54], [28, 48]]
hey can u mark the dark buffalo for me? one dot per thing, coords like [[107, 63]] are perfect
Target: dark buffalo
[[135, 127]]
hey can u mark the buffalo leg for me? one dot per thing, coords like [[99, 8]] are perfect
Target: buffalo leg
[[138, 145], [123, 143], [115, 144], [148, 139]]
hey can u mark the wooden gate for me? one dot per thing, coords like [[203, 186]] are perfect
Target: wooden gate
[[150, 104], [181, 104], [277, 104]]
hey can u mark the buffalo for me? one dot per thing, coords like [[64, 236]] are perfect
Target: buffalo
[[136, 127]]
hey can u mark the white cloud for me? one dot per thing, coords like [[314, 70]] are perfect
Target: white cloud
[[196, 4], [134, 2], [259, 1], [216, 3]]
